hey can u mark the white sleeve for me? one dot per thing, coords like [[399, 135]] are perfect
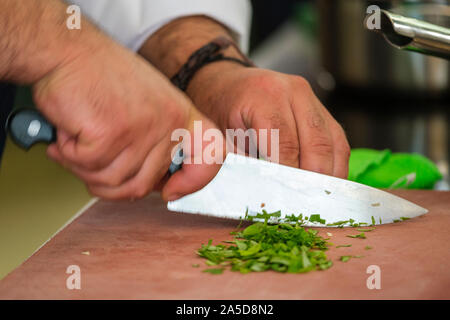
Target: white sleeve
[[131, 22]]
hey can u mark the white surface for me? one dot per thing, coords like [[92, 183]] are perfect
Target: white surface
[[131, 22], [244, 182]]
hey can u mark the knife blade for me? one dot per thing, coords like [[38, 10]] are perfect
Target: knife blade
[[246, 183]]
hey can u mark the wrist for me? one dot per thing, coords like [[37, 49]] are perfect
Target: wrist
[[209, 84]]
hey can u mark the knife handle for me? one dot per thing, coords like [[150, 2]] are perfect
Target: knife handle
[[28, 127]]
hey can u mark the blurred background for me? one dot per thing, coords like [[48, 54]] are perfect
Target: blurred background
[[384, 98]]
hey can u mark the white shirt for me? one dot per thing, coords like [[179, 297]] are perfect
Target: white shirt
[[131, 22]]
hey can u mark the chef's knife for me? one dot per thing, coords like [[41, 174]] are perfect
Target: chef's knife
[[245, 183], [248, 183]]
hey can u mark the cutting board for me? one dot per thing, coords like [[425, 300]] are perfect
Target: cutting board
[[139, 250]]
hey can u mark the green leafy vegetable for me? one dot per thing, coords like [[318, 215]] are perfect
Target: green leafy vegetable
[[214, 270], [346, 258], [360, 236], [366, 230], [343, 246], [316, 218], [262, 246]]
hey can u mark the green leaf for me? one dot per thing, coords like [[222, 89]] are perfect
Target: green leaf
[[214, 270], [316, 218], [343, 246], [366, 230], [360, 236], [250, 251]]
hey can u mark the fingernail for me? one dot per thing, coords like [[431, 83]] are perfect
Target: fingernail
[[173, 197]]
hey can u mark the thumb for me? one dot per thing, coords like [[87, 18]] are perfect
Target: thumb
[[204, 150]]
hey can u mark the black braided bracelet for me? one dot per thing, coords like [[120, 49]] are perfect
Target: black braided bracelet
[[206, 55]]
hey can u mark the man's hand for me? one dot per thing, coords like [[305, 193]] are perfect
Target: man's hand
[[238, 97], [115, 115]]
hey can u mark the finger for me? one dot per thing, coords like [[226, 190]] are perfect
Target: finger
[[277, 137], [152, 171], [316, 143], [341, 151], [54, 154], [89, 156], [200, 165], [124, 167]]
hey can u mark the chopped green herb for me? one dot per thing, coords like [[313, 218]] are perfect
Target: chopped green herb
[[214, 270], [404, 218], [195, 265], [377, 204], [396, 220], [366, 230], [360, 236], [275, 243], [316, 218], [262, 246], [343, 246], [346, 258], [373, 221], [367, 247], [327, 192], [338, 223]]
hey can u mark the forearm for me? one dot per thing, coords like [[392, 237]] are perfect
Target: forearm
[[34, 39], [170, 47]]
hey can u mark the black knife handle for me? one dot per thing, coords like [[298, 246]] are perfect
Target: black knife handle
[[28, 127]]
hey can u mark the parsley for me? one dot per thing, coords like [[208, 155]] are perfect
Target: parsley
[[366, 230], [360, 236], [262, 246], [346, 258], [214, 270], [343, 246]]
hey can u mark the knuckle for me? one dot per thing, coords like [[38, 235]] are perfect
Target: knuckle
[[300, 83], [315, 120], [269, 83], [321, 146], [289, 145], [141, 190]]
